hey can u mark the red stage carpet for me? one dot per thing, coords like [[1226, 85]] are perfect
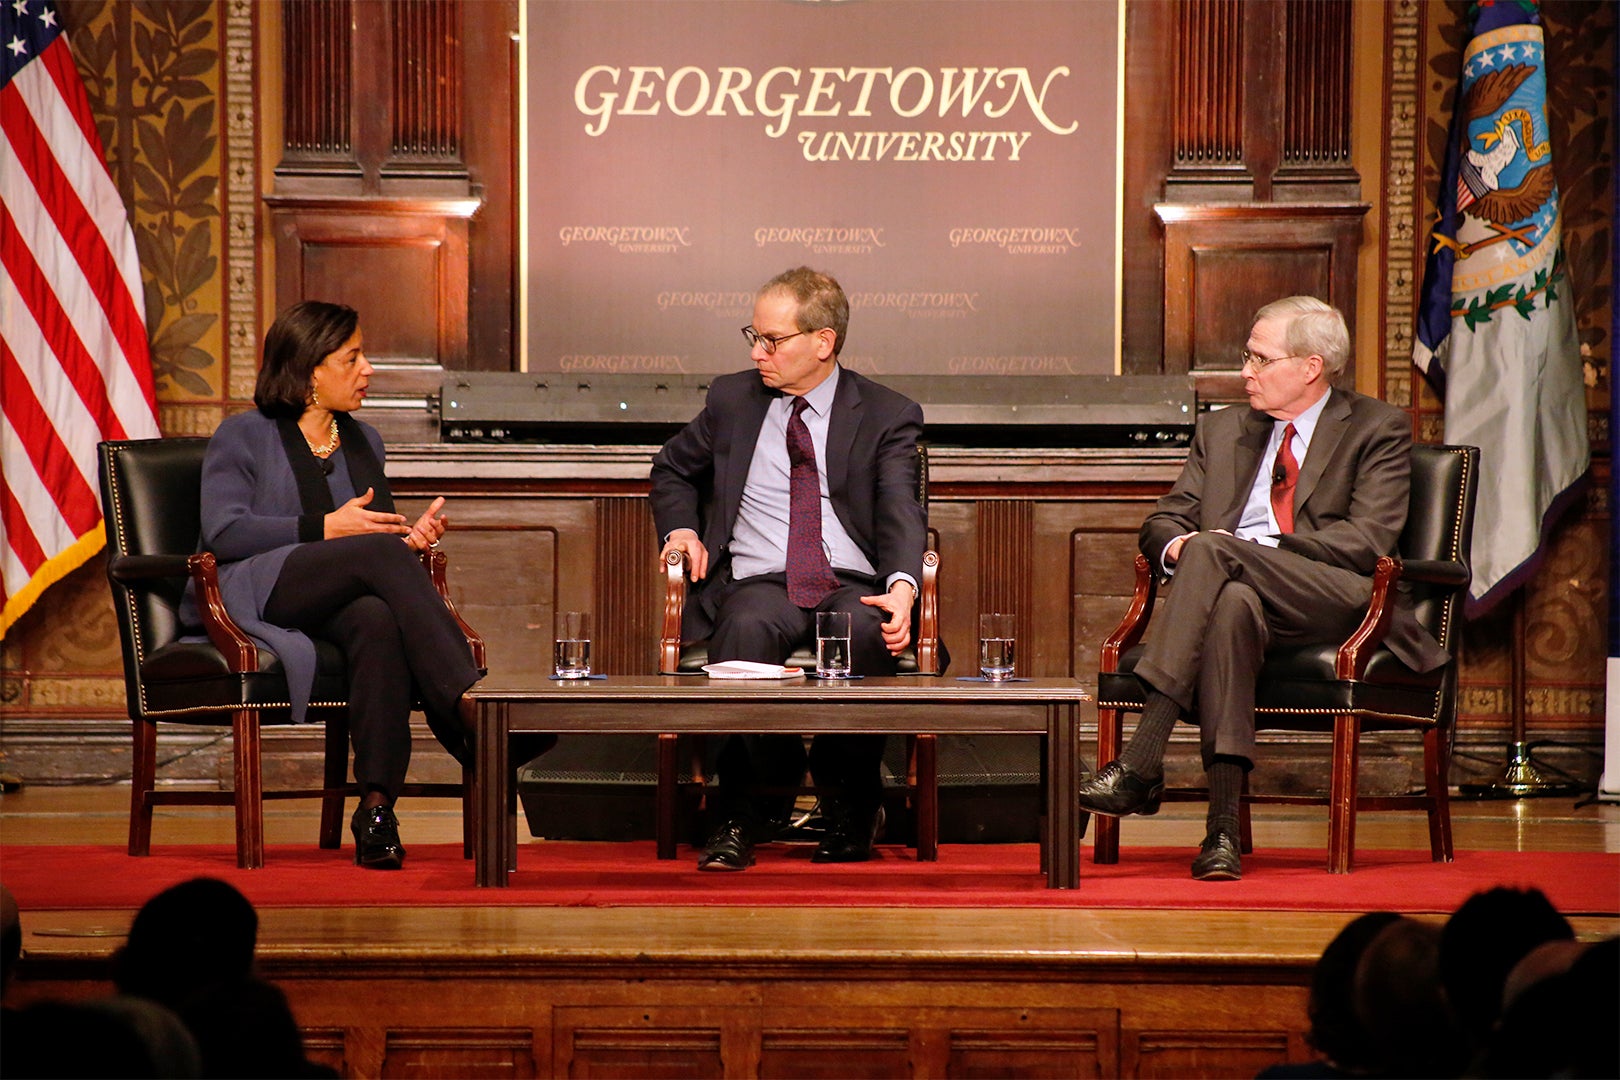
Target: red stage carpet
[[966, 875]]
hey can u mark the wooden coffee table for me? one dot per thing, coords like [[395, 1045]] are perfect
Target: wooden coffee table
[[679, 704]]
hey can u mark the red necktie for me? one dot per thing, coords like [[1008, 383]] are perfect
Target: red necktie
[[809, 574], [1284, 477]]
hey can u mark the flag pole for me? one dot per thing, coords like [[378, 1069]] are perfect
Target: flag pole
[[1519, 778]]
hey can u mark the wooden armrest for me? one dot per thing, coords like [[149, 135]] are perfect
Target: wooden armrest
[[126, 569], [437, 564], [1358, 648], [673, 566], [240, 653], [928, 616], [1131, 628]]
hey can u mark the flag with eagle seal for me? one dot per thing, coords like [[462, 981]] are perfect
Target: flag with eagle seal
[[1496, 322]]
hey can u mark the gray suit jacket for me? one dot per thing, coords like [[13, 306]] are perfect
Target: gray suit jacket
[[1349, 507]]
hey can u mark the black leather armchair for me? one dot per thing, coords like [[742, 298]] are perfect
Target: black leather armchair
[[151, 494], [1349, 688]]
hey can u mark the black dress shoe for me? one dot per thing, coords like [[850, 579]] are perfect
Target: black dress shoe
[[376, 839], [1218, 859], [850, 838], [730, 847], [1116, 791]]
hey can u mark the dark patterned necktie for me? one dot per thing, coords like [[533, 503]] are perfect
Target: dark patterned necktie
[[809, 575], [1284, 477]]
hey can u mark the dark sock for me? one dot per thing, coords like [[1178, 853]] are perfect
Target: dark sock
[[1144, 755], [1225, 790]]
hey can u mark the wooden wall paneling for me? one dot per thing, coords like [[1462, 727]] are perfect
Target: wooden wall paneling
[[490, 150], [629, 589], [514, 562], [1314, 147], [426, 88], [653, 1040], [403, 264], [1099, 541], [1148, 110], [1049, 630], [375, 101], [954, 524], [1210, 99], [473, 1053], [1006, 535], [872, 1045], [1173, 1054], [318, 92], [1224, 260]]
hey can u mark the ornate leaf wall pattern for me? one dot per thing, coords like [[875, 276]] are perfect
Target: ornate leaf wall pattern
[[162, 136]]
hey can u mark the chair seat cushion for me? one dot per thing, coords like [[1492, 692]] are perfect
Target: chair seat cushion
[[1300, 683], [193, 677]]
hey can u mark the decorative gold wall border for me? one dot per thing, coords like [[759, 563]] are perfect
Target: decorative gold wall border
[[241, 183], [1400, 199]]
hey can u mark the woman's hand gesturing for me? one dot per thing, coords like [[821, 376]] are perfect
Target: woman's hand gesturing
[[353, 519], [427, 530]]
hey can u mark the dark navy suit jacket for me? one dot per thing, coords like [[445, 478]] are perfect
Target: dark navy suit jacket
[[698, 477]]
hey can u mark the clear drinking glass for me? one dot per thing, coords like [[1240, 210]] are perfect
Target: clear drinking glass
[[571, 656], [832, 644], [996, 642]]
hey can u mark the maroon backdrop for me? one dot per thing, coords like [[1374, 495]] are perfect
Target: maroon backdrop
[[952, 164]]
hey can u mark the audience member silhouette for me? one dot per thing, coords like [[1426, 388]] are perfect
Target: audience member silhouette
[[185, 939], [1401, 1005], [1480, 944], [117, 1036], [190, 949], [10, 939], [1335, 1032], [1558, 1016], [244, 1028]]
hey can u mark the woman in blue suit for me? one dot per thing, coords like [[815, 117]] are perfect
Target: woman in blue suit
[[296, 508]]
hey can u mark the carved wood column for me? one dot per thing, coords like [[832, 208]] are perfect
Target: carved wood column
[[1006, 535], [1260, 198], [373, 199], [626, 587]]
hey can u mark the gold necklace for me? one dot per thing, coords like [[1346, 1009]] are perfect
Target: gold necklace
[[331, 442]]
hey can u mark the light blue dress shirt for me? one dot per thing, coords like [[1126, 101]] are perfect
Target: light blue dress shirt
[[759, 537]]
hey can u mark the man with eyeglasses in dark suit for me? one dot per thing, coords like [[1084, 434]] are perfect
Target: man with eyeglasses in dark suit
[[1270, 536], [793, 492]]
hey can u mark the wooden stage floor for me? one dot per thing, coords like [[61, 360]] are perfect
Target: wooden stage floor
[[785, 990]]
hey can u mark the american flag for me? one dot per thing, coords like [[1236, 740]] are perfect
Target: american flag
[[74, 364]]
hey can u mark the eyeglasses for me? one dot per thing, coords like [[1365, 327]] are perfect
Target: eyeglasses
[[754, 337], [1260, 363]]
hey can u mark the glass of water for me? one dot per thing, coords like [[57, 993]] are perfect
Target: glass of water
[[996, 641], [832, 644], [571, 656]]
